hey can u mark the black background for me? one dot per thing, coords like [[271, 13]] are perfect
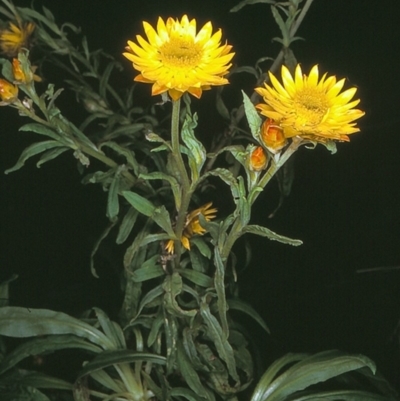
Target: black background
[[345, 207]]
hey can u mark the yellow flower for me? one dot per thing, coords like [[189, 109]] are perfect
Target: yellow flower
[[193, 226], [13, 39], [258, 159], [176, 59], [8, 92], [310, 107]]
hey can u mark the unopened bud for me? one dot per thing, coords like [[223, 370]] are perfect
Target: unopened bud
[[272, 136]]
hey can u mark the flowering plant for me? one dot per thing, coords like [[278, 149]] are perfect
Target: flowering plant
[[177, 335]]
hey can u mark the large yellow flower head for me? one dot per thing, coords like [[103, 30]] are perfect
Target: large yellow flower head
[[176, 59], [309, 106], [13, 39]]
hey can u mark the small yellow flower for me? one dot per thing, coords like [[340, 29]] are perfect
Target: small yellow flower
[[176, 59], [193, 226], [13, 39], [272, 136], [258, 159], [8, 92], [310, 106]]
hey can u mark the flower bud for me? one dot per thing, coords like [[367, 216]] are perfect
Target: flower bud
[[258, 159], [8, 92], [272, 136]]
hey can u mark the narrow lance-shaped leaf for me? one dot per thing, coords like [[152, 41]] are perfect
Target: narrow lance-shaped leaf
[[265, 232], [97, 245], [219, 281], [197, 152], [33, 150], [45, 344], [116, 357], [51, 155], [171, 180], [253, 118], [126, 226], [23, 322], [173, 287], [112, 197], [40, 129], [159, 214], [189, 374], [248, 3], [215, 332], [239, 305], [123, 151]]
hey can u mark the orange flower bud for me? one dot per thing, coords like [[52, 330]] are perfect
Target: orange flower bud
[[8, 92], [272, 136], [258, 159], [21, 76], [17, 71]]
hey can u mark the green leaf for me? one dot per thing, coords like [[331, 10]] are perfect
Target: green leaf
[[181, 392], [253, 118], [196, 277], [127, 224], [40, 129], [311, 370], [197, 152], [155, 328], [111, 329], [148, 272], [127, 153], [239, 305], [33, 150], [219, 282], [6, 69], [50, 155], [284, 28], [173, 287], [343, 395], [112, 197], [202, 246], [220, 105], [96, 246], [149, 299], [46, 344], [189, 374], [265, 232], [223, 347], [269, 375], [248, 3], [22, 322], [41, 380], [109, 358], [159, 215], [171, 180]]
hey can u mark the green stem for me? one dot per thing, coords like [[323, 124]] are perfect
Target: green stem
[[275, 166], [237, 227], [183, 176]]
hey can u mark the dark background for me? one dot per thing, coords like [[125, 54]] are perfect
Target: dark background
[[345, 207]]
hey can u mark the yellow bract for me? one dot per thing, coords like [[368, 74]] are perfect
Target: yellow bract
[[310, 106], [176, 59], [193, 226], [13, 39]]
